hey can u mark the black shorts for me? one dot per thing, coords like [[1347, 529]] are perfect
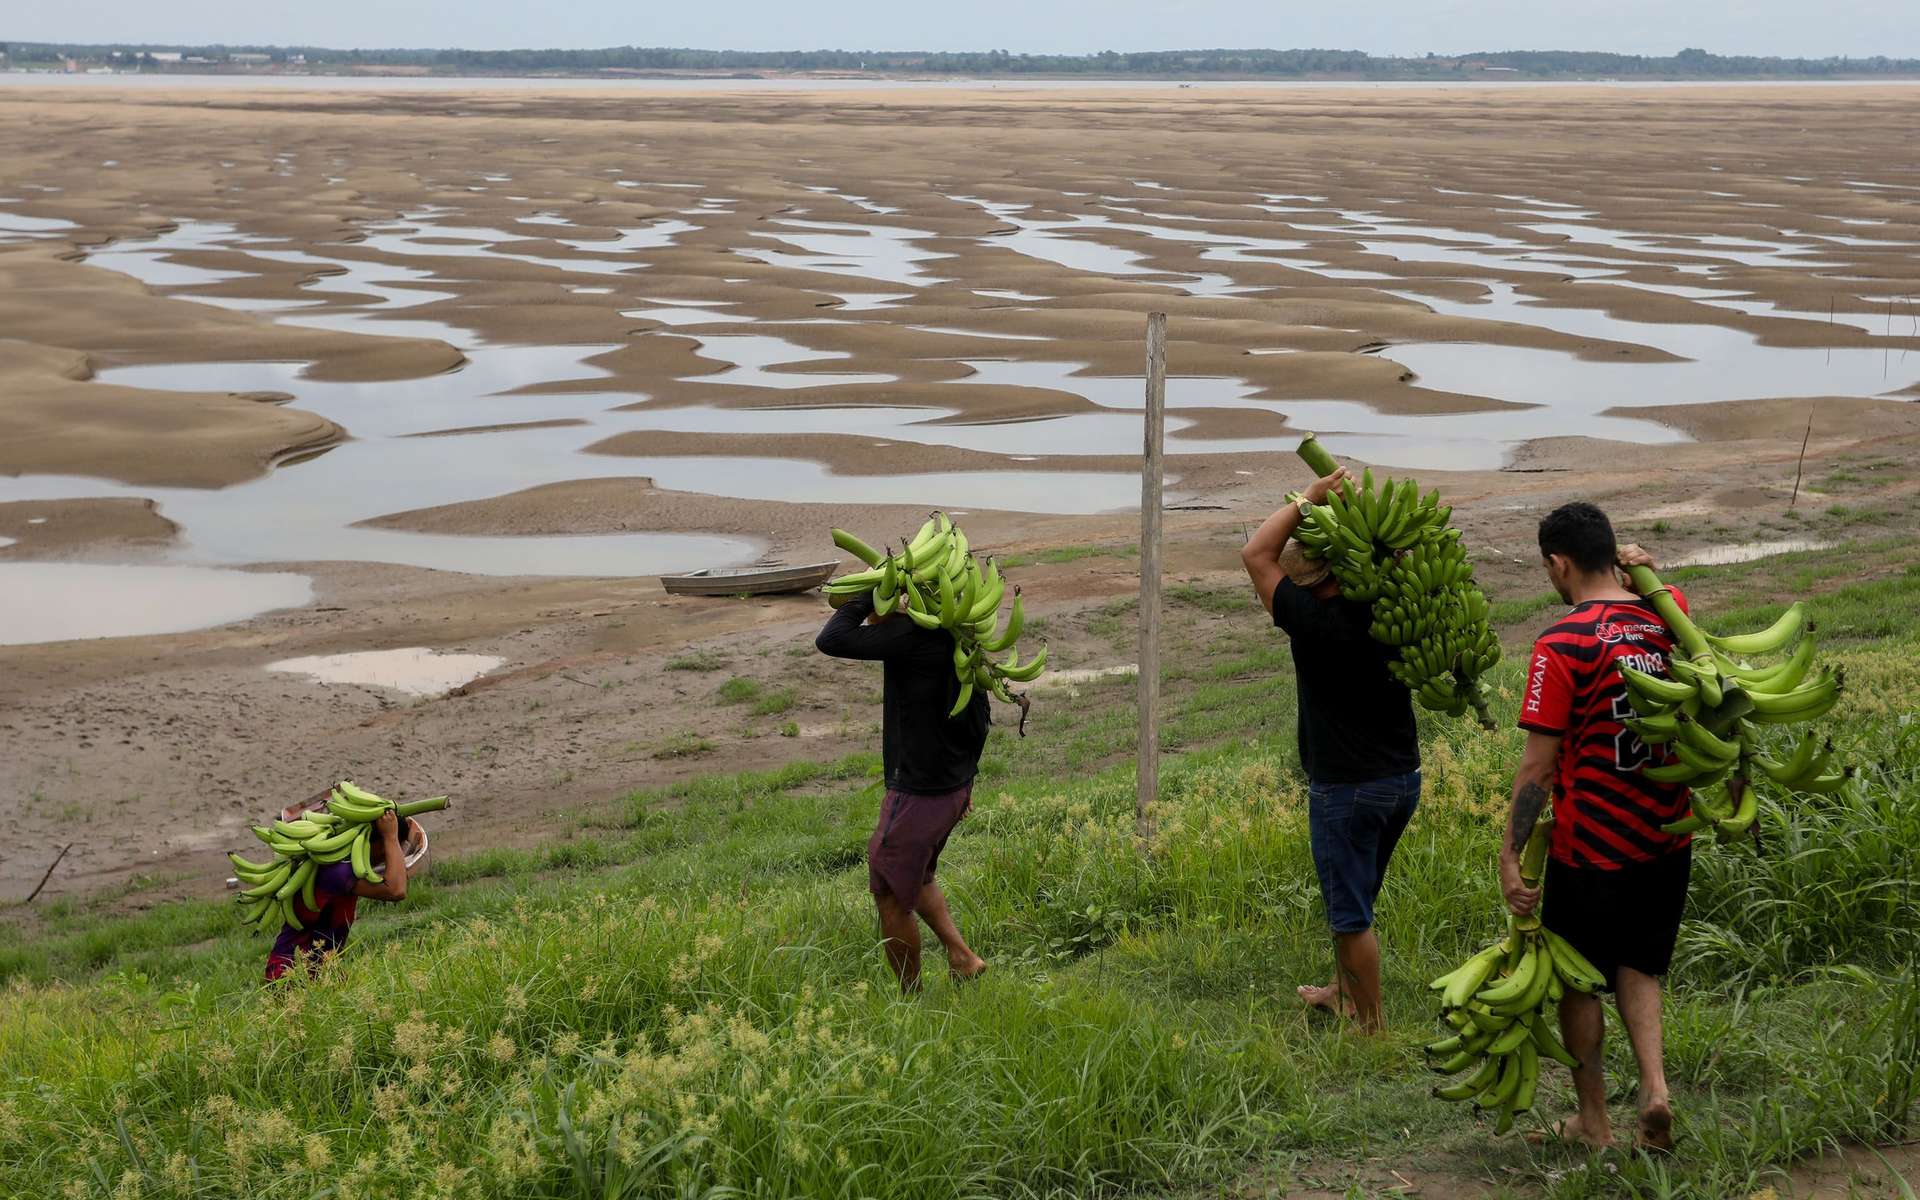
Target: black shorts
[[904, 851], [1628, 917]]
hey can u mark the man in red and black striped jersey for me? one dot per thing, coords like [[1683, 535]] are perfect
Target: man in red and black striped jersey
[[1615, 885]]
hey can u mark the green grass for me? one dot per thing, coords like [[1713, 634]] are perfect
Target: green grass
[[686, 997], [1067, 554], [683, 745], [739, 690], [1511, 610], [775, 702], [698, 660]]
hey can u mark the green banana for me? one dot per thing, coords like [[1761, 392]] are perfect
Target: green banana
[[1791, 624], [296, 880], [1575, 971], [854, 546], [1016, 619], [1529, 1077], [1679, 772], [1520, 1031], [1504, 1089], [1789, 675], [360, 796], [1805, 703], [1653, 687], [271, 884], [1655, 731], [1518, 982], [1821, 785], [1696, 737], [1549, 1045], [1807, 760], [1737, 826], [1468, 1088], [1460, 984], [1029, 671]]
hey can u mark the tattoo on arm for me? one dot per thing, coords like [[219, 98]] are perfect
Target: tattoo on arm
[[1528, 799]]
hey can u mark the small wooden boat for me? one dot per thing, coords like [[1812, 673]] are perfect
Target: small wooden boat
[[749, 581]]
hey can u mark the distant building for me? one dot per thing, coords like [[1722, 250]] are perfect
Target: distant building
[[164, 56], [250, 59]]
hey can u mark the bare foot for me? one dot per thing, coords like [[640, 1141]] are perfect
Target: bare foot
[[1326, 998], [968, 969], [1573, 1129], [1656, 1126]]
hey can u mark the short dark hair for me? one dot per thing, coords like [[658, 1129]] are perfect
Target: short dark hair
[[1581, 532]]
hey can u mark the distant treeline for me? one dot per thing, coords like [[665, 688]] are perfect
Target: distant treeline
[[1533, 64]]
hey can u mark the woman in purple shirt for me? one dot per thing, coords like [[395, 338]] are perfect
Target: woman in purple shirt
[[338, 892]]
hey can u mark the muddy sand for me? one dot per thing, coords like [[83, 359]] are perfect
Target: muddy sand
[[756, 315]]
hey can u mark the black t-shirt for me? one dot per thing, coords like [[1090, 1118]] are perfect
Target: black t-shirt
[[1356, 721], [924, 750]]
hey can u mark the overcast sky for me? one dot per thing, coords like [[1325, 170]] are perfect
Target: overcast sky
[[1813, 28]]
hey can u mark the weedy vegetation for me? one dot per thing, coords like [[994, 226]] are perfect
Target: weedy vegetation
[[689, 999]]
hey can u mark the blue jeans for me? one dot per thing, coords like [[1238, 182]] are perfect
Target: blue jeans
[[1354, 828]]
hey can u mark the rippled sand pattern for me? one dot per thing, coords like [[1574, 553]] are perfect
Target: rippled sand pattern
[[744, 293]]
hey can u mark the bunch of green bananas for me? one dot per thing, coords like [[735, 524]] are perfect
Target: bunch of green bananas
[[936, 581], [342, 831], [1497, 1008], [1713, 713], [1392, 548]]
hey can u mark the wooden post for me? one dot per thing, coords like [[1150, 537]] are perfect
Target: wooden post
[[1151, 471]]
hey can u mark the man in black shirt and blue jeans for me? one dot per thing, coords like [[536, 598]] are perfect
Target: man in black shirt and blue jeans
[[929, 761], [1358, 747]]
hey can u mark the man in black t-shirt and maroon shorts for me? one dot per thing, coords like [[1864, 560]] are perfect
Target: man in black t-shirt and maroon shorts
[[1358, 746], [929, 761], [1615, 886]]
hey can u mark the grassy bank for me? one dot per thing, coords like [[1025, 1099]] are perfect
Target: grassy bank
[[686, 997]]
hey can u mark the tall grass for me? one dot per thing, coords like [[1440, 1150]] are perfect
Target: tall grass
[[688, 998]]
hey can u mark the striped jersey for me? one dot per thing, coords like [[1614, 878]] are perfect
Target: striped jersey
[[1606, 813]]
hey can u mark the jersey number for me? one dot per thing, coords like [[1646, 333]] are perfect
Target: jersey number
[[1629, 752]]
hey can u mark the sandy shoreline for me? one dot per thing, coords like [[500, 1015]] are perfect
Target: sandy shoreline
[[586, 247]]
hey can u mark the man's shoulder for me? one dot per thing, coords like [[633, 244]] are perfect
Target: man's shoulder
[[1575, 641], [1577, 621]]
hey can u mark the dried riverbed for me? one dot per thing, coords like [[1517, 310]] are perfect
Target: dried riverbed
[[470, 367]]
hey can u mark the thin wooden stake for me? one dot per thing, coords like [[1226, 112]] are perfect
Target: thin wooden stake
[[49, 874], [1801, 465], [1151, 472]]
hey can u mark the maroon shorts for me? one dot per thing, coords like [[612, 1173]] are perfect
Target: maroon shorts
[[906, 844]]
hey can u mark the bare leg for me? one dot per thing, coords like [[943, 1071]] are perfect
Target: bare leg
[[1639, 999], [961, 960], [902, 934], [1358, 958], [1583, 1028]]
